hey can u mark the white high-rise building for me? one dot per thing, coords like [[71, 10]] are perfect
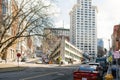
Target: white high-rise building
[[83, 28]]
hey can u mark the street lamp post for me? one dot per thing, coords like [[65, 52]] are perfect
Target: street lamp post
[[109, 54], [109, 43]]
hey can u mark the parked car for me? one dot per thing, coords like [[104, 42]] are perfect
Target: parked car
[[86, 72], [97, 64], [39, 61], [99, 67], [85, 62], [24, 59], [103, 62]]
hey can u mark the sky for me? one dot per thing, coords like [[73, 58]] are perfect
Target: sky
[[108, 15]]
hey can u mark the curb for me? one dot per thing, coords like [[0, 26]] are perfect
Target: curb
[[12, 69]]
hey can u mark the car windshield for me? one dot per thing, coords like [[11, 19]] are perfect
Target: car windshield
[[87, 68], [96, 64]]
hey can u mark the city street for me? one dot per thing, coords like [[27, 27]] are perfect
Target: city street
[[60, 40], [41, 73]]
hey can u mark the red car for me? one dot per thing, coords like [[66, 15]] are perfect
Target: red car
[[86, 72]]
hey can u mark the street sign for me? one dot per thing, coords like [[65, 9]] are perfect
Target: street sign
[[110, 59], [116, 54], [18, 55]]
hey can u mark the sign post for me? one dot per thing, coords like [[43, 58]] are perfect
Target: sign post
[[116, 56], [18, 55]]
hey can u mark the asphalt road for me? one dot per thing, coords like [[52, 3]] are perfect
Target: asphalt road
[[41, 73]]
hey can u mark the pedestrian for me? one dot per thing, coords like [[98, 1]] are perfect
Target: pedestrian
[[57, 61], [114, 69], [46, 61], [43, 60], [5, 60]]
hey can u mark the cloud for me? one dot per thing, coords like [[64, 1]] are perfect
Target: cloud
[[64, 8], [108, 16], [59, 23]]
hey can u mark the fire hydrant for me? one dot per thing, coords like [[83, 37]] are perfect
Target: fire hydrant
[[108, 77]]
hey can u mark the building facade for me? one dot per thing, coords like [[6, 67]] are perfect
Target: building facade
[[100, 47], [83, 28], [116, 38], [59, 32], [9, 8], [53, 36], [100, 42], [66, 52], [6, 8]]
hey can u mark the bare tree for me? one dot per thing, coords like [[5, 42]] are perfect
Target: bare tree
[[25, 18]]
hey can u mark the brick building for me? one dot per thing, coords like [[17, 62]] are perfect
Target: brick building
[[9, 8], [116, 38], [5, 10]]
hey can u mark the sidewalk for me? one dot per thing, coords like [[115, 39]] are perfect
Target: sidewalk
[[7, 67], [109, 71], [14, 66]]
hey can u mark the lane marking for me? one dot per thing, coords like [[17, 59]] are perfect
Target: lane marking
[[38, 76]]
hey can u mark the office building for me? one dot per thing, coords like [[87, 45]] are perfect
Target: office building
[[54, 35], [100, 42], [66, 52], [83, 27]]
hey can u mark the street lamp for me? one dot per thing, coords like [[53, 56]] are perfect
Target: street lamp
[[109, 43]]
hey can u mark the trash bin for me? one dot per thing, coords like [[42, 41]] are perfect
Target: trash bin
[[108, 77]]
